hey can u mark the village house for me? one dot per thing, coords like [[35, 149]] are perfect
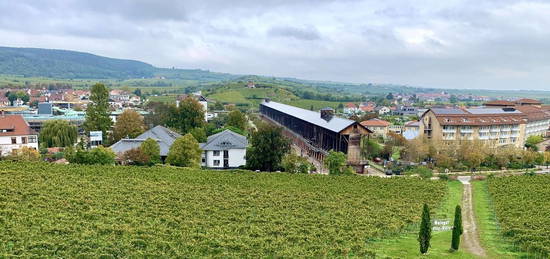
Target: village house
[[15, 133], [378, 126], [226, 149], [164, 137], [381, 110], [351, 108]]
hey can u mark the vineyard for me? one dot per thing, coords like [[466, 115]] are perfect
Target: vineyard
[[522, 208], [49, 210]]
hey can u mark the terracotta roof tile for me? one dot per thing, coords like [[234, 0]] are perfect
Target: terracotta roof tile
[[375, 123], [14, 125]]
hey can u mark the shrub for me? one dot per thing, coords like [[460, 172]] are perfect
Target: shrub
[[151, 148], [26, 154], [295, 164], [99, 155], [336, 163], [185, 151], [136, 156]]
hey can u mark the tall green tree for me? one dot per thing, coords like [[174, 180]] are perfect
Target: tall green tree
[[129, 124], [151, 148], [189, 115], [457, 228], [237, 119], [58, 133], [97, 113], [425, 233], [185, 151], [267, 148]]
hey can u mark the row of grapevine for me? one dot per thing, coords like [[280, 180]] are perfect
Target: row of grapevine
[[49, 210], [523, 209]]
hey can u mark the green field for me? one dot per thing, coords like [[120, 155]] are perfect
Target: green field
[[49, 210], [406, 245], [522, 210]]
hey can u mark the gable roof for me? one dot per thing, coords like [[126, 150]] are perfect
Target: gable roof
[[225, 140], [336, 124], [14, 125], [164, 137], [375, 122]]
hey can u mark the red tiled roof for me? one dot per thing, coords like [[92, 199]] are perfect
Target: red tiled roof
[[375, 123], [15, 125], [412, 123], [499, 103], [528, 101], [351, 105], [534, 113]]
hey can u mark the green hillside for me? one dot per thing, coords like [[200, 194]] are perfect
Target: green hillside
[[67, 211], [64, 64]]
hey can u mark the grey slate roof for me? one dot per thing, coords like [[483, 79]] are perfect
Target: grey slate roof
[[225, 140], [162, 135], [336, 124]]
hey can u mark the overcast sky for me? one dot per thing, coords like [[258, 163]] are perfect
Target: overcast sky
[[492, 44]]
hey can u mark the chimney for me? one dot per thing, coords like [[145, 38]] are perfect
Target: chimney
[[327, 113], [267, 100]]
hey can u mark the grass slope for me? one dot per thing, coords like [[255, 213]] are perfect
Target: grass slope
[[51, 210], [406, 246]]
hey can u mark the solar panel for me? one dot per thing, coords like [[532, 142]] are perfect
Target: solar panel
[[448, 111]]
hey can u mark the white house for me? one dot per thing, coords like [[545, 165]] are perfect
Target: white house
[[15, 133], [226, 149], [351, 108], [382, 110]]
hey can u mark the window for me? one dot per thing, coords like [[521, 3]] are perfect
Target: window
[[217, 162], [23, 140], [216, 153], [14, 140], [32, 139]]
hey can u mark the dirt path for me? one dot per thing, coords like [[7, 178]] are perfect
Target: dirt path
[[470, 237]]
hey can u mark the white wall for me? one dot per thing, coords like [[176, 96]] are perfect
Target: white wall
[[6, 146], [236, 158]]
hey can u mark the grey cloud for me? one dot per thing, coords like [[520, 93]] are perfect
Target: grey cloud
[[304, 33], [468, 43]]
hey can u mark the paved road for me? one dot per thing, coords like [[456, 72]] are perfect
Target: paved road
[[470, 236]]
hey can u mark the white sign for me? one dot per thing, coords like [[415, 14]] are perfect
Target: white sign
[[441, 225], [96, 136]]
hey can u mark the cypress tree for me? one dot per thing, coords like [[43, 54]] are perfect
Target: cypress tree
[[457, 228], [425, 233]]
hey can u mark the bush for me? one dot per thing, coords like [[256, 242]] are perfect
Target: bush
[[99, 155], [136, 156], [25, 154], [422, 171], [336, 163], [151, 148], [295, 164], [185, 151]]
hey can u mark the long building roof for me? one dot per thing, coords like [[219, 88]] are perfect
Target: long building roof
[[336, 124]]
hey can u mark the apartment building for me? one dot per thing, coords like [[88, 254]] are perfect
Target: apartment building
[[496, 126]]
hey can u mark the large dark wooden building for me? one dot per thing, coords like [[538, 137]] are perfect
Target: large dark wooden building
[[318, 132]]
